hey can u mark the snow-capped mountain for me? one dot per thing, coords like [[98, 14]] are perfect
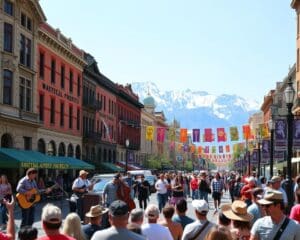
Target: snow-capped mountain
[[198, 109]]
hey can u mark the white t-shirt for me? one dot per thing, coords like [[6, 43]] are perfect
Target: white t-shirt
[[81, 183], [161, 186], [155, 231]]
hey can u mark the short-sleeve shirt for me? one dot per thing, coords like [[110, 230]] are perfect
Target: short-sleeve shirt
[[25, 184], [110, 190], [81, 183], [255, 211], [183, 220], [265, 229], [161, 186], [114, 233], [56, 237], [191, 230]]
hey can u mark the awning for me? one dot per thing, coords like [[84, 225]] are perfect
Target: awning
[[129, 166], [110, 167], [14, 158]]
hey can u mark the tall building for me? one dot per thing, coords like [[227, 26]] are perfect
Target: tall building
[[59, 93]]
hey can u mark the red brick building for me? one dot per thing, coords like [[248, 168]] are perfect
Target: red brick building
[[59, 93]]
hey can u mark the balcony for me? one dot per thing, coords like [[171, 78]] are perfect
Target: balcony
[[92, 104], [92, 137]]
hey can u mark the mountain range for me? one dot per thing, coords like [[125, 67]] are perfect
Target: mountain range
[[198, 109]]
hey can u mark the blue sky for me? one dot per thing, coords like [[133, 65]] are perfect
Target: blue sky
[[218, 46]]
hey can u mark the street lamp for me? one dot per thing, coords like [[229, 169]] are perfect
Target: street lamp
[[242, 160], [289, 94], [258, 139], [271, 127], [127, 142]]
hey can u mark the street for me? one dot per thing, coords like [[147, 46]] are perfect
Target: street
[[64, 205]]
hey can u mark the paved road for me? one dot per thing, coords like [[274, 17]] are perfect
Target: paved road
[[63, 204]]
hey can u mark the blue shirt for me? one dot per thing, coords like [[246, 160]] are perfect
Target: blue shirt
[[183, 220], [25, 184]]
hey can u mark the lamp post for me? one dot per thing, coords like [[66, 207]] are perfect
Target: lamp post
[[258, 139], [271, 127], [289, 94], [242, 161], [126, 158]]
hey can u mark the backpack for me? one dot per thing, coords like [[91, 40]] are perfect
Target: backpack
[[237, 189]]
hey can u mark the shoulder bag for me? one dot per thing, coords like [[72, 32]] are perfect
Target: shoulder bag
[[282, 228], [200, 231]]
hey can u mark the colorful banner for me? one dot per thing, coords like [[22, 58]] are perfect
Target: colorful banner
[[213, 149], [246, 132], [192, 148], [227, 148], [183, 135], [196, 135], [200, 150], [234, 134], [206, 149], [160, 134], [254, 157], [296, 134], [280, 135], [149, 133], [221, 135], [266, 149], [172, 134], [220, 149], [264, 130], [208, 135]]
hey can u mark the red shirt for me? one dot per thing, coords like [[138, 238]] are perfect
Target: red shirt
[[3, 236], [194, 184], [56, 237], [295, 213], [246, 191]]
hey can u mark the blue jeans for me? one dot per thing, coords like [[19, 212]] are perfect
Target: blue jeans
[[195, 194], [3, 212], [27, 217], [204, 195], [162, 200]]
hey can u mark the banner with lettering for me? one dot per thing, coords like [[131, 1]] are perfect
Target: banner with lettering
[[220, 149], [221, 135], [266, 149], [208, 135], [296, 134], [254, 157], [246, 132], [196, 135], [264, 130], [160, 134]]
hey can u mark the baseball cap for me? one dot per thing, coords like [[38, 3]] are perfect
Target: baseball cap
[[118, 208], [271, 197], [200, 206], [51, 214], [275, 179]]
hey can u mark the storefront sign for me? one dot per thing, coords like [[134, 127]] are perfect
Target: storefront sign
[[59, 93], [45, 165]]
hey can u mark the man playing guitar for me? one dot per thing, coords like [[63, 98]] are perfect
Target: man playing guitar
[[81, 185], [27, 186]]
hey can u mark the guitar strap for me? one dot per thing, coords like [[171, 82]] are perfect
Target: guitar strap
[[200, 231], [281, 229]]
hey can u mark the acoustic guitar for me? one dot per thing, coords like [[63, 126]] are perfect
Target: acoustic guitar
[[33, 196]]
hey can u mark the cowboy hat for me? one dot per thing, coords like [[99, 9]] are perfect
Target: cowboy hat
[[96, 211], [83, 172], [270, 197], [237, 211]]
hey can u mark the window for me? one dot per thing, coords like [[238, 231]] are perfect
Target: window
[[71, 81], [41, 107], [8, 37], [25, 51], [42, 65], [7, 87], [52, 111], [62, 76], [62, 114], [25, 94], [27, 143], [78, 119], [70, 117], [26, 21], [8, 7], [78, 86], [53, 65]]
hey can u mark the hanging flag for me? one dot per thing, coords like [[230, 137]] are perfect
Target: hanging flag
[[296, 134], [160, 134], [172, 145], [106, 130], [264, 130], [208, 135], [206, 149], [192, 148], [220, 149], [172, 134], [185, 147], [234, 134], [149, 133], [200, 150], [183, 135], [221, 135], [246, 132], [227, 148], [213, 149], [179, 147], [280, 135], [196, 135]]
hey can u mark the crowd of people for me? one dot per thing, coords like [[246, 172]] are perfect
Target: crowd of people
[[257, 209]]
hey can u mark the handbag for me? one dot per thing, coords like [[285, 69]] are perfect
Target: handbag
[[199, 231], [281, 229]]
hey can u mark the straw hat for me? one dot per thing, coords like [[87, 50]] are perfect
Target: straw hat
[[271, 197], [96, 211], [237, 211], [83, 172]]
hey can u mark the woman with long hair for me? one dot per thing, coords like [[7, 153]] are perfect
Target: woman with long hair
[[5, 193], [177, 190], [72, 227]]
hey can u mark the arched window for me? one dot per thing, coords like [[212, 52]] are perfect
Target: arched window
[[70, 150], [62, 150], [78, 152], [51, 148], [41, 146], [6, 141]]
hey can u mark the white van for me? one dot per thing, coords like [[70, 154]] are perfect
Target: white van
[[140, 172]]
